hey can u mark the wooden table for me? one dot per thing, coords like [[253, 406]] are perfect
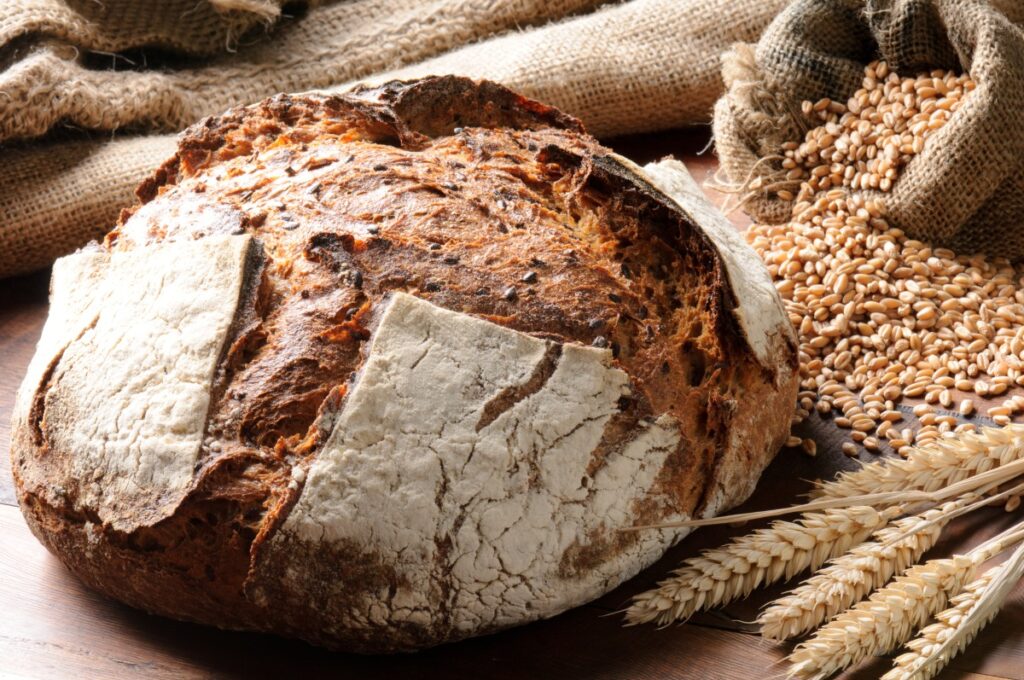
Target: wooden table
[[52, 627]]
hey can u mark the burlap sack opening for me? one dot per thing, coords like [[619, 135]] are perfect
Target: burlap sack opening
[[965, 190]]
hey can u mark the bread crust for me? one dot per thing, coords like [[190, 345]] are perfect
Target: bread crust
[[476, 201]]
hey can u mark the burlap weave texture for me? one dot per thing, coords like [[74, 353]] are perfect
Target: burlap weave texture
[[620, 66]]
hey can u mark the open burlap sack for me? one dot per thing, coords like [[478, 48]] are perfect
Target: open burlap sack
[[622, 67], [966, 188]]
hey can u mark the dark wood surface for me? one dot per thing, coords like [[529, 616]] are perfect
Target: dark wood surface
[[52, 627]]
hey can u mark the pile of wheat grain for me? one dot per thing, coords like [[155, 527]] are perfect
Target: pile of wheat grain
[[881, 316]]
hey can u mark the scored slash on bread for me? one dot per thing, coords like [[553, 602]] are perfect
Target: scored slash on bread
[[466, 346]]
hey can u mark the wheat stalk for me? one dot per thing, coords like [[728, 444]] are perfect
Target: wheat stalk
[[850, 577], [969, 502], [884, 620], [932, 466], [778, 552], [975, 484], [948, 621], [891, 614], [957, 626]]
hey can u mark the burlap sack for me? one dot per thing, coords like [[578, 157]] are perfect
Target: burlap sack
[[966, 188], [626, 67], [200, 28], [332, 43], [636, 67]]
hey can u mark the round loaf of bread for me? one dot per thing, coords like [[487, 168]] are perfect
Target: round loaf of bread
[[392, 368]]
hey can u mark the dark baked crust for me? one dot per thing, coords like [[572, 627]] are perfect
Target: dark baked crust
[[463, 194]]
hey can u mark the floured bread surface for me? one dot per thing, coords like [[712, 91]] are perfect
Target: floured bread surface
[[467, 453], [392, 368], [132, 349], [76, 288]]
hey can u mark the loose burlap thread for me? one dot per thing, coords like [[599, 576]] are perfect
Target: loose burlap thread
[[965, 189], [621, 67]]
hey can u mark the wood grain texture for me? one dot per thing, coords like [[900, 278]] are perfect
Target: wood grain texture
[[52, 627]]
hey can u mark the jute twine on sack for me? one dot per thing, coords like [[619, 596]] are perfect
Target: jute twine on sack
[[621, 67], [966, 188]]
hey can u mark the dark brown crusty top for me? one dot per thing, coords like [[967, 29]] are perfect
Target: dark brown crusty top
[[462, 194]]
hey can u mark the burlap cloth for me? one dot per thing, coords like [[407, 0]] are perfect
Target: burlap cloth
[[966, 188], [86, 84]]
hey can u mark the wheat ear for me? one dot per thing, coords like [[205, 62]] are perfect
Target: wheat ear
[[957, 626], [948, 621], [778, 552], [884, 620], [932, 466], [891, 614], [849, 578]]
